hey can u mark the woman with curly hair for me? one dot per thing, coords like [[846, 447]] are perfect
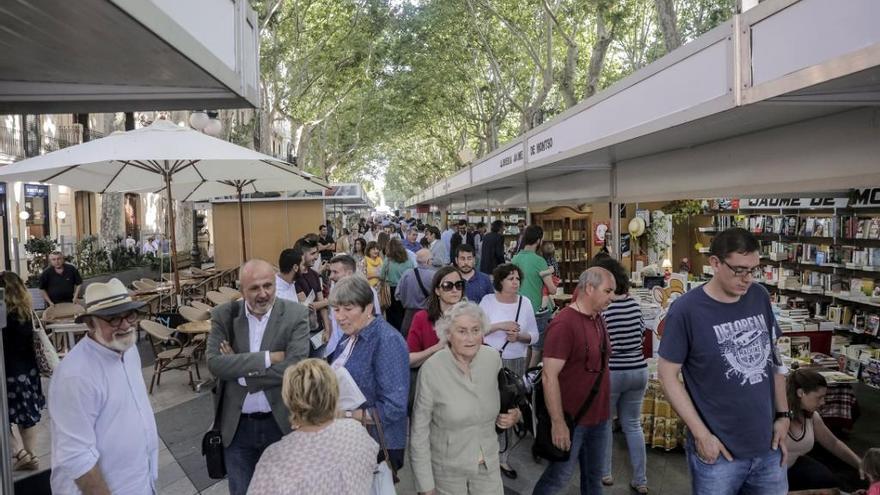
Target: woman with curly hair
[[24, 391]]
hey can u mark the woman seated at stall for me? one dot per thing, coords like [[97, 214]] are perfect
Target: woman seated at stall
[[806, 394]]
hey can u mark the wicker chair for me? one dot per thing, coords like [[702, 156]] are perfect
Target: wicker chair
[[62, 311], [190, 313], [200, 305], [217, 298], [142, 286], [170, 353], [149, 281], [229, 291]]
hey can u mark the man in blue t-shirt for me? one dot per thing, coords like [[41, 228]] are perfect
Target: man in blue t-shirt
[[722, 337], [477, 283]]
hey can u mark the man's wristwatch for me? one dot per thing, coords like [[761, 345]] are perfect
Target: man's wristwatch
[[348, 414], [783, 414]]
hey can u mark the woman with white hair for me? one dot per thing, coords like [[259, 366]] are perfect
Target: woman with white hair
[[453, 444]]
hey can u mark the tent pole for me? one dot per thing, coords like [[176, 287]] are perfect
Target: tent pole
[[241, 224], [174, 265]]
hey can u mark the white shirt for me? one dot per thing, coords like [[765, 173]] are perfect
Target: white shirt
[[285, 290], [498, 312], [100, 413], [256, 402]]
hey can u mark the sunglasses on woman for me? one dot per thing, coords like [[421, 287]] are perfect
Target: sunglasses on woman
[[448, 286]]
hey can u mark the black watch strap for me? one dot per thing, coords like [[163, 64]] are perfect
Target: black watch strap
[[783, 414]]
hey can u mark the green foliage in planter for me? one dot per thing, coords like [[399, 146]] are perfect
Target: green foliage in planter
[[681, 210], [91, 258]]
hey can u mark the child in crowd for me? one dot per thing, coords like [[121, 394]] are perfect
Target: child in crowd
[[871, 469]]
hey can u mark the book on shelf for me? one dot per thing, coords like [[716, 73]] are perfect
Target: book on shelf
[[839, 343], [800, 348], [783, 346], [871, 373]]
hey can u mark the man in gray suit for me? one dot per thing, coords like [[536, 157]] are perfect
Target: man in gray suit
[[251, 343]]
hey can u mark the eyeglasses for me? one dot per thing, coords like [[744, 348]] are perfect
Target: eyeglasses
[[741, 271], [116, 321], [448, 286]]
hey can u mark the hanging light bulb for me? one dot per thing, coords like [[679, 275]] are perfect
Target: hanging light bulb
[[199, 119]]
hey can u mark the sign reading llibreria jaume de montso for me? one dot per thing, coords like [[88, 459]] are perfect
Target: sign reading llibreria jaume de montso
[[862, 198]]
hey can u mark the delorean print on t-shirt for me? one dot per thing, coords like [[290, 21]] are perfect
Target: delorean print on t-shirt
[[745, 345]]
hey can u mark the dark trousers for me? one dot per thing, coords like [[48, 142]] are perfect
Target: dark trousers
[[250, 440], [394, 313], [809, 474]]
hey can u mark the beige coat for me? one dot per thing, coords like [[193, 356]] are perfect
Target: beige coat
[[453, 422]]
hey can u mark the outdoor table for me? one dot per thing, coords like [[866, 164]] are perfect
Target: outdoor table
[[68, 329]]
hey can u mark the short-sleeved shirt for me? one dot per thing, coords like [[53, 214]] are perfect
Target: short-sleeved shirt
[[421, 333], [308, 282], [728, 364], [326, 254], [578, 339], [478, 287], [531, 284], [60, 287]]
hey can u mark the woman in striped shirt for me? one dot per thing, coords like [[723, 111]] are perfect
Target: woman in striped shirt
[[629, 373]]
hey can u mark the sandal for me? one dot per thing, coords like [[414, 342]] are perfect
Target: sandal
[[25, 461], [639, 488], [608, 480]]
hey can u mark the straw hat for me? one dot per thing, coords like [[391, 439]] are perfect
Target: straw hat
[[637, 226], [108, 299]]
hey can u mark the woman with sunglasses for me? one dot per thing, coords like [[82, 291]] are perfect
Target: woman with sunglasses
[[447, 288], [513, 329]]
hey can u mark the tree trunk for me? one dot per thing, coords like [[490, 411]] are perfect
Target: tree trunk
[[568, 75], [668, 24], [598, 52]]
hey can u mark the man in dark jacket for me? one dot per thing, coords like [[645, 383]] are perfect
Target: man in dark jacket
[[492, 252]]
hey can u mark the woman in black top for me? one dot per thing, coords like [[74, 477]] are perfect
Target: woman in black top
[[23, 388]]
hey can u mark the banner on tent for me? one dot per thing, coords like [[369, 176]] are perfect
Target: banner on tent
[[862, 198]]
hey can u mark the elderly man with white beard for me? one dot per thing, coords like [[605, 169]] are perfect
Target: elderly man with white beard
[[104, 436]]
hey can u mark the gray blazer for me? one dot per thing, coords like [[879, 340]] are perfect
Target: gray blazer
[[287, 330]]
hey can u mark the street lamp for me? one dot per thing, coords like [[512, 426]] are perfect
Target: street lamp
[[207, 122]]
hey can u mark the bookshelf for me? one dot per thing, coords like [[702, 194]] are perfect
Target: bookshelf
[[569, 231], [827, 260]]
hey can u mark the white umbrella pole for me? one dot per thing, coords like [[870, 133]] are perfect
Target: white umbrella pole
[[174, 266], [241, 224]]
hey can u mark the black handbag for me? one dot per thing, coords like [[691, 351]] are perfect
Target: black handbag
[[543, 446], [510, 385], [212, 441]]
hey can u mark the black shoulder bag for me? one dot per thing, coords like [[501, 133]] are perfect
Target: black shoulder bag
[[543, 446], [421, 284], [212, 441], [510, 384]]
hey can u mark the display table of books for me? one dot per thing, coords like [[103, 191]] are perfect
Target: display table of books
[[663, 428]]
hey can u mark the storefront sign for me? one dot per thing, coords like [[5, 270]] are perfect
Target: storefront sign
[[861, 198], [791, 203], [36, 191], [494, 165]]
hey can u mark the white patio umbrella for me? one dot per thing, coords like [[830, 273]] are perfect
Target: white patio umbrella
[[156, 158]]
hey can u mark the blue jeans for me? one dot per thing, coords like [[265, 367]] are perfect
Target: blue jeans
[[588, 446], [543, 320], [627, 392], [250, 440], [760, 475]]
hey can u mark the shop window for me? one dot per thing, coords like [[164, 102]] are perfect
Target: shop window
[[36, 203]]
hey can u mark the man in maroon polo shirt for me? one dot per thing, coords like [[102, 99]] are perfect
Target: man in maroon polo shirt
[[575, 353]]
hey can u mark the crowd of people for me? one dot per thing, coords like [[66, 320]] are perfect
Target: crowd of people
[[420, 322]]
